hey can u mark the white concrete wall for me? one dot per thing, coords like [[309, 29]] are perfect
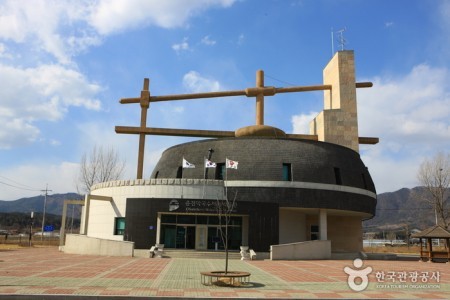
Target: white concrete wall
[[302, 250], [292, 227], [81, 244], [102, 214]]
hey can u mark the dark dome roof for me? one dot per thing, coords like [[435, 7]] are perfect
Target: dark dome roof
[[262, 159], [323, 175]]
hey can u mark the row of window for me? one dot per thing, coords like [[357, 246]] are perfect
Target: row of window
[[220, 172], [119, 228], [198, 219], [286, 173], [119, 223]]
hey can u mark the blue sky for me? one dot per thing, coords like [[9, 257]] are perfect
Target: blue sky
[[65, 64]]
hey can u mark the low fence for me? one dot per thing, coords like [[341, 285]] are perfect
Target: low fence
[[302, 250], [24, 240]]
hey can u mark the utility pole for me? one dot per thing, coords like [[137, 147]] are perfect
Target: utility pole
[[31, 228], [43, 215]]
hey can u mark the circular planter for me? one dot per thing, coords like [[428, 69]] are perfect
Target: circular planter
[[220, 278]]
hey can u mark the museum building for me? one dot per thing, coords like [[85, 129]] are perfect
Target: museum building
[[286, 188]]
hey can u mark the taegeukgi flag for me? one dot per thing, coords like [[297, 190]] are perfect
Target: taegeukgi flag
[[231, 164]]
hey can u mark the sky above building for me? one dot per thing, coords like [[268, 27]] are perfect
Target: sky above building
[[64, 65]]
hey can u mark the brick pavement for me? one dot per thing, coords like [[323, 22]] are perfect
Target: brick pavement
[[46, 271]]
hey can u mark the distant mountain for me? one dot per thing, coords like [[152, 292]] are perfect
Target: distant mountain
[[394, 209], [15, 222], [54, 205], [400, 208]]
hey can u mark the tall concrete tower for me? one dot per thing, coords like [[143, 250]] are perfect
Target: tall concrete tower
[[338, 122]]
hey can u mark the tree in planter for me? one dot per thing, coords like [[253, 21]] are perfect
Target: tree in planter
[[224, 210]]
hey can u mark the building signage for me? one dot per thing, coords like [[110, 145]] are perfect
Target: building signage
[[206, 206], [173, 205], [48, 228]]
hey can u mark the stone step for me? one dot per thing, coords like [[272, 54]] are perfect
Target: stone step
[[201, 254]]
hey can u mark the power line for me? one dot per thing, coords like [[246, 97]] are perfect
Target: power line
[[23, 185], [279, 80], [20, 188]]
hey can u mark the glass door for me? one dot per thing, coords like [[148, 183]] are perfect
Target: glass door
[[168, 235], [214, 239], [185, 237]]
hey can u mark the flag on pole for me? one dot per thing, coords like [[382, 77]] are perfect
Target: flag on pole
[[187, 165], [231, 164], [209, 164]]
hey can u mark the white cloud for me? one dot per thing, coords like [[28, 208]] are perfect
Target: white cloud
[[64, 28], [39, 94], [110, 16], [390, 173], [300, 123], [241, 39], [207, 41], [411, 115], [60, 178], [388, 24], [196, 83], [54, 142], [412, 111], [178, 109], [16, 132], [4, 53], [49, 26], [183, 46]]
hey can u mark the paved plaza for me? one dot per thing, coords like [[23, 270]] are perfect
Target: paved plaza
[[46, 271]]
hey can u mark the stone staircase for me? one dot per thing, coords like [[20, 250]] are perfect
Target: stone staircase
[[194, 254]]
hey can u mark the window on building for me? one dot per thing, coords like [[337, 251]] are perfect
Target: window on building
[[287, 172], [119, 227], [220, 171], [314, 232], [169, 219], [337, 176], [180, 172]]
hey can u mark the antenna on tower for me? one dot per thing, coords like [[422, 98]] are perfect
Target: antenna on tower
[[341, 39], [332, 42]]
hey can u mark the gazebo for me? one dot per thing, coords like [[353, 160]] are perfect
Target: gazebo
[[427, 253]]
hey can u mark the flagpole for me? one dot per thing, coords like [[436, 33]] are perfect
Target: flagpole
[[181, 179], [226, 178], [204, 176]]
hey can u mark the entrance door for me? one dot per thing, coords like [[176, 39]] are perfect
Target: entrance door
[[214, 239], [201, 237], [185, 237]]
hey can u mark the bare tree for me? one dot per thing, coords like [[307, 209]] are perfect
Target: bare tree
[[99, 165], [224, 211], [434, 175]]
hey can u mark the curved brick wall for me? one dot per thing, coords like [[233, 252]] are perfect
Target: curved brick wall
[[314, 183]]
